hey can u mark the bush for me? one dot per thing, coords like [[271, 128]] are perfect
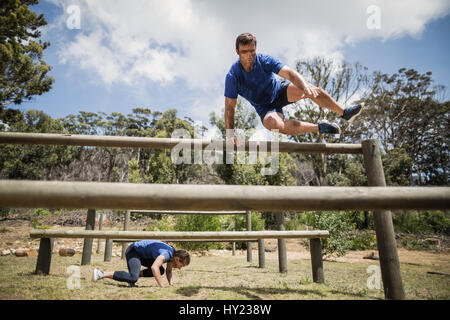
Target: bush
[[437, 221], [165, 223], [4, 212], [358, 219], [294, 221], [416, 244], [38, 216], [339, 228], [422, 222], [198, 223], [42, 213], [239, 223], [363, 241]]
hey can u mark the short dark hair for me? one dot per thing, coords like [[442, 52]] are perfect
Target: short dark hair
[[245, 39]]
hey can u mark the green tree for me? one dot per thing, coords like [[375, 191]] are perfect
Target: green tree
[[403, 112], [198, 223], [397, 167], [134, 175], [23, 72], [34, 161], [245, 119], [339, 226], [342, 82]]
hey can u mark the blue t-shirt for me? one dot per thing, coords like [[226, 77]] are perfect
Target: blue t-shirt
[[259, 86], [151, 249]]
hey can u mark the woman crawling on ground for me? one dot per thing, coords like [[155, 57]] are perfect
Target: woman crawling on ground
[[151, 254]]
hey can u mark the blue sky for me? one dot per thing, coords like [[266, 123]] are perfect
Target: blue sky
[[430, 52], [175, 54]]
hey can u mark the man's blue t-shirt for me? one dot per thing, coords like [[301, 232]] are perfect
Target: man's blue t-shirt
[[259, 86], [151, 249]]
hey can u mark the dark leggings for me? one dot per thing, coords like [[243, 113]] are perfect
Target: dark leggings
[[134, 262]]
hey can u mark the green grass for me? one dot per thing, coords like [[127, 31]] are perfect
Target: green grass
[[216, 277]]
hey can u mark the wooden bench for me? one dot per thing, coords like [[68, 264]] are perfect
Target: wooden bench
[[47, 236]]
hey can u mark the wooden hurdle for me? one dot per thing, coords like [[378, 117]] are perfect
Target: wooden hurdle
[[378, 199], [47, 237], [62, 194], [169, 143]]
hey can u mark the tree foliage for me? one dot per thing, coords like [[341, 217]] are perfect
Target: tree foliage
[[404, 113], [23, 72]]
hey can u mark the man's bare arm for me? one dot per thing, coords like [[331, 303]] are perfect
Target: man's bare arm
[[230, 105], [298, 81]]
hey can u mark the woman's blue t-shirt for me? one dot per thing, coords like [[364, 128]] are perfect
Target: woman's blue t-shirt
[[259, 86], [151, 249]]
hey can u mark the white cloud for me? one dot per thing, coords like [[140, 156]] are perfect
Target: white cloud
[[160, 42]]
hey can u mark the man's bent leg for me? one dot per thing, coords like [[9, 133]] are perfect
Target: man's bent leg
[[323, 100], [275, 121], [294, 127]]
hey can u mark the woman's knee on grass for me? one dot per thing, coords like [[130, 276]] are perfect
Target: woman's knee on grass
[[134, 277]]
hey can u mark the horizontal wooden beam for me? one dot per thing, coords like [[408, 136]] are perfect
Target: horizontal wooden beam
[[186, 235], [129, 196], [189, 212], [168, 143]]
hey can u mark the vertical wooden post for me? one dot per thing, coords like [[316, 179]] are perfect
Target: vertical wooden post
[[44, 259], [100, 223], [108, 249], [125, 228], [282, 257], [87, 246], [234, 248], [384, 228], [261, 253], [249, 244], [316, 260]]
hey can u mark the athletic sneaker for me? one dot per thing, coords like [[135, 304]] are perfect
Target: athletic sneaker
[[351, 113], [328, 127], [97, 275]]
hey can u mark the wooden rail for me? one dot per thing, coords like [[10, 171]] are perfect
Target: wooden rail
[[56, 194], [175, 212], [168, 143], [187, 235]]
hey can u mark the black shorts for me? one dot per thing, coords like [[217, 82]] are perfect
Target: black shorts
[[277, 105]]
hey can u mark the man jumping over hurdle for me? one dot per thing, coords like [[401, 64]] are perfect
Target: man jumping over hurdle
[[252, 77]]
